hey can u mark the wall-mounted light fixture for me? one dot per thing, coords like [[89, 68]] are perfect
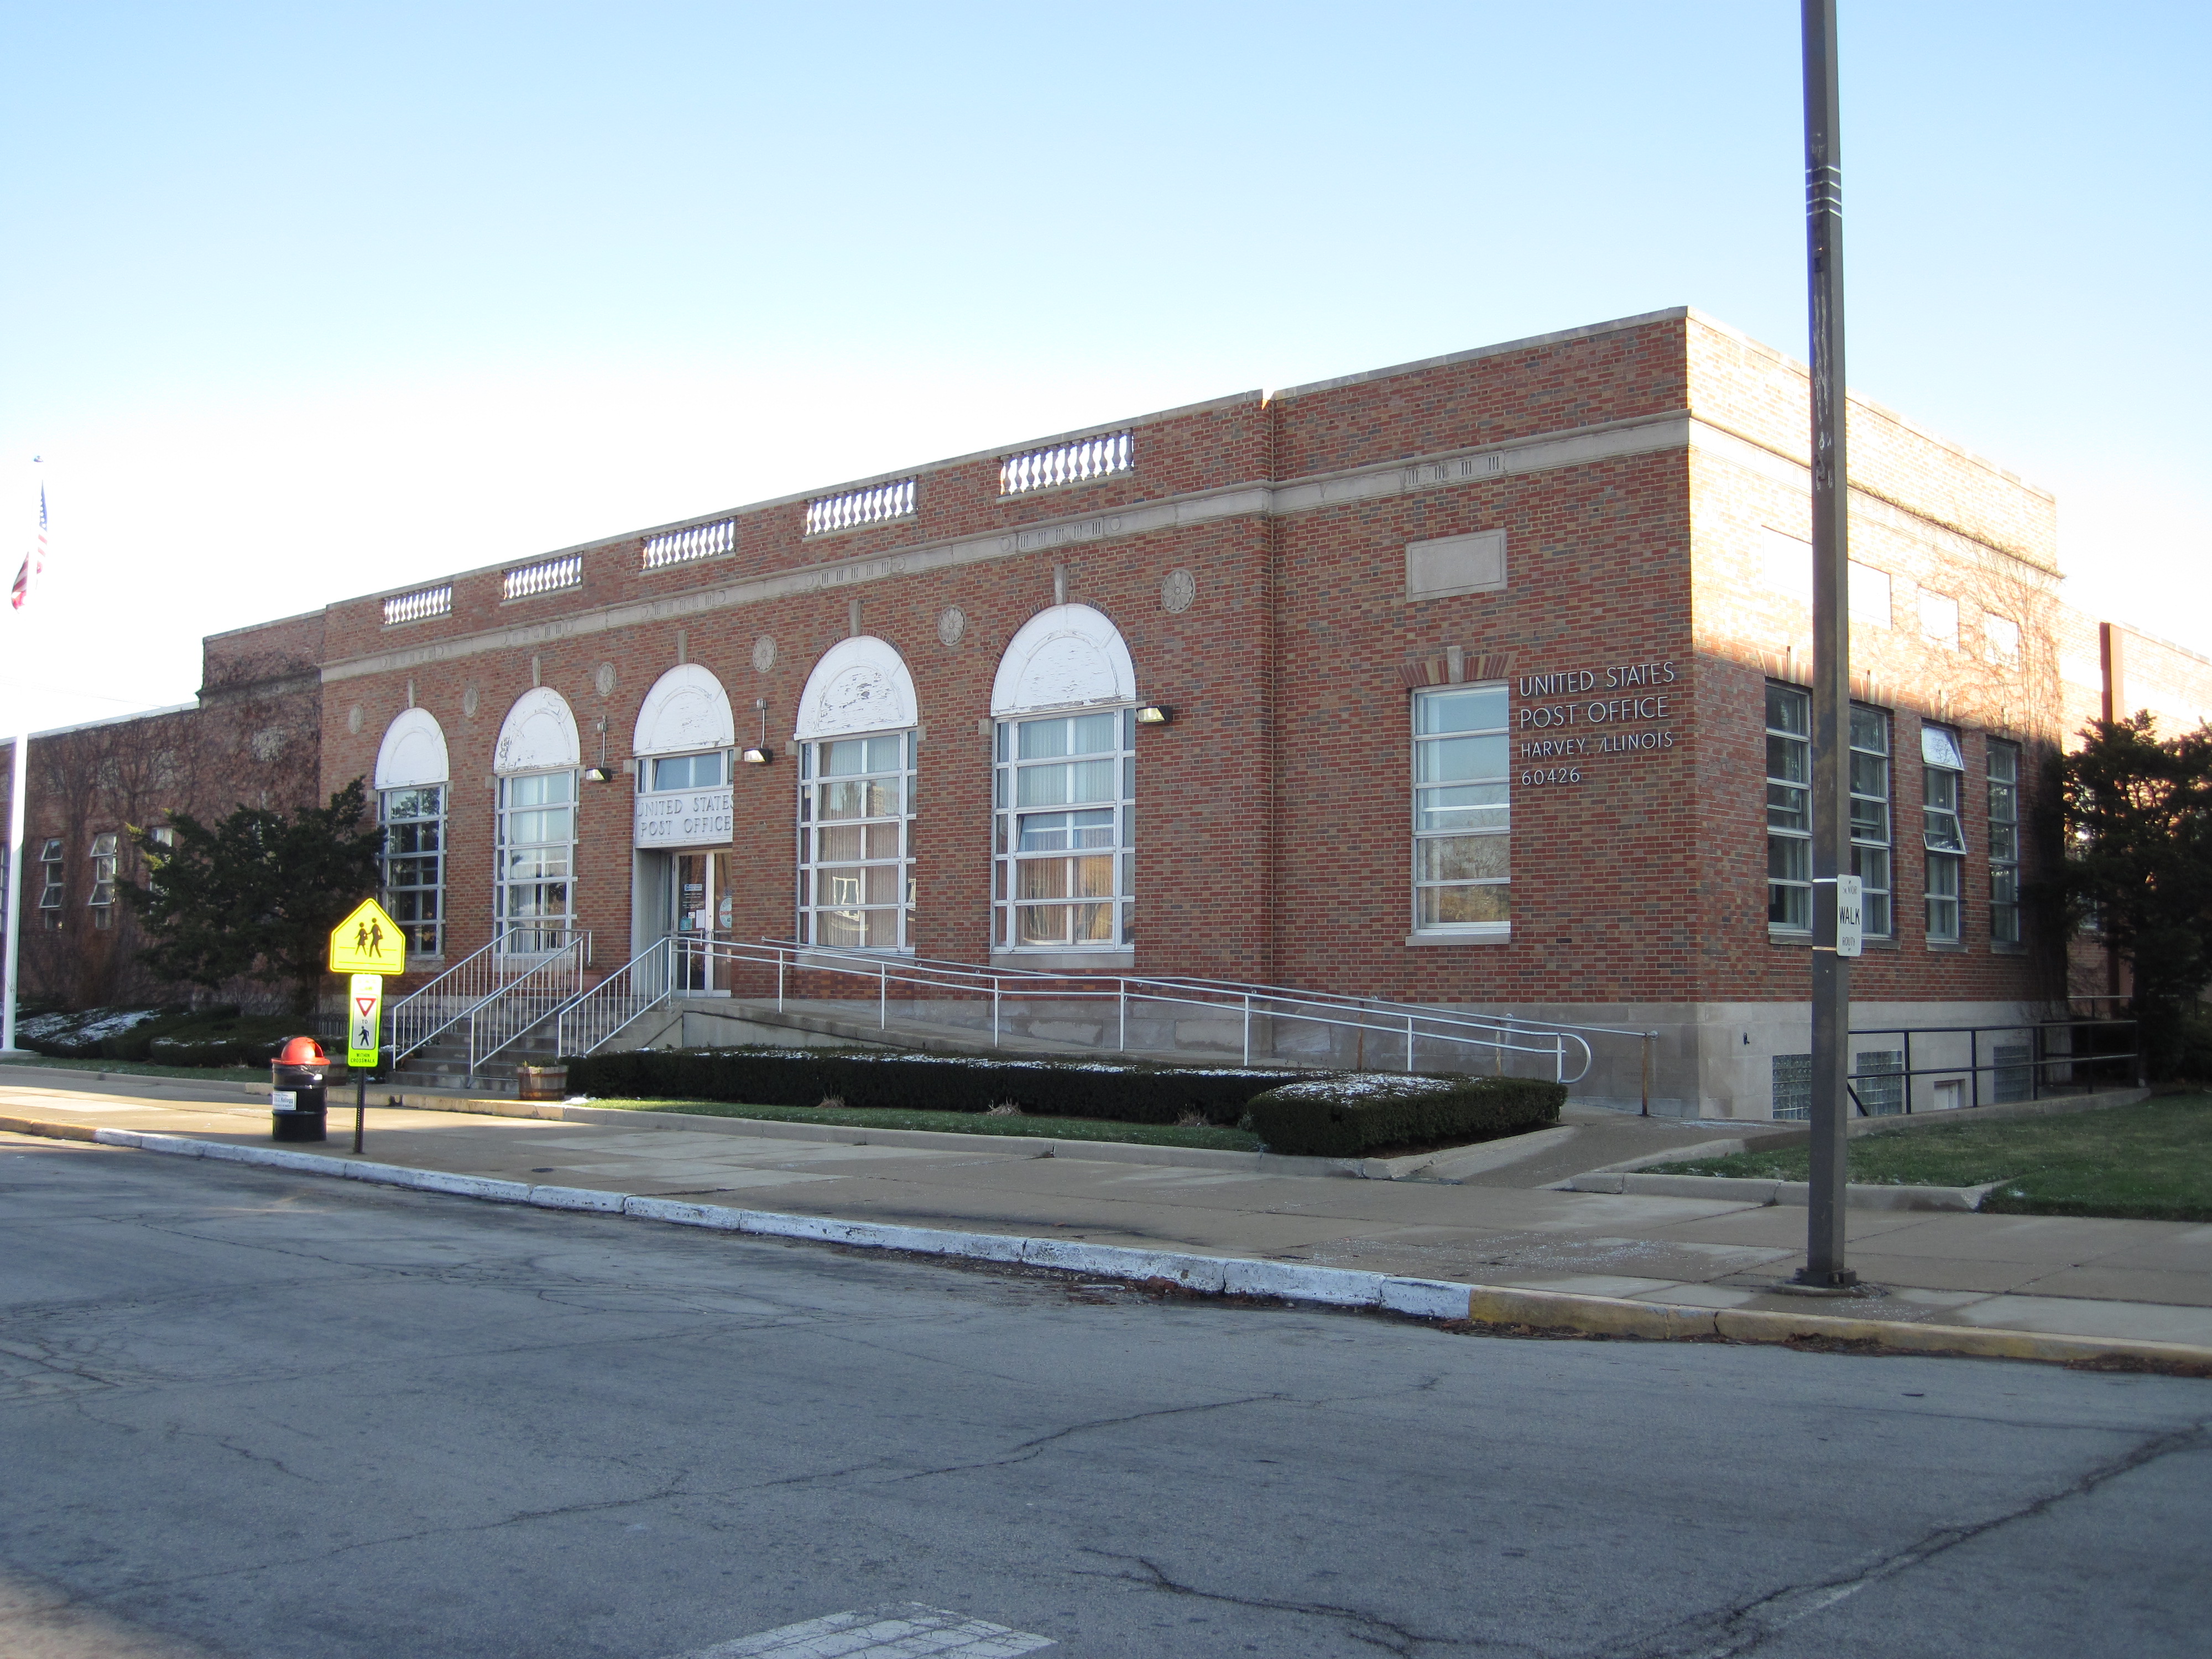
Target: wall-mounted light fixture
[[1153, 714], [595, 774], [761, 754]]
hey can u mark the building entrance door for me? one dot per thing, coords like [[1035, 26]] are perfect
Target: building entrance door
[[703, 905]]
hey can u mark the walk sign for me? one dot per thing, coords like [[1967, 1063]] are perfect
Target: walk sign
[[364, 1013], [368, 942]]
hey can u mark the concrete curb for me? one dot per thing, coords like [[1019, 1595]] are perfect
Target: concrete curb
[[1419, 1299], [1743, 1189]]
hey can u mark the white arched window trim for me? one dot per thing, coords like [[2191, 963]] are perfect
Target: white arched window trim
[[686, 711], [1068, 656], [413, 751], [538, 734], [861, 684]]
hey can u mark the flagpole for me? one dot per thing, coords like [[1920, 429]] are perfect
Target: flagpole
[[35, 562], [19, 770]]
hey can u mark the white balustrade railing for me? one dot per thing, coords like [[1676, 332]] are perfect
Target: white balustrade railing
[[699, 541], [874, 505], [1069, 463], [546, 577], [1262, 1024], [640, 985], [422, 602]]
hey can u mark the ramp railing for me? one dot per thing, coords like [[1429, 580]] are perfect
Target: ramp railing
[[1261, 1024]]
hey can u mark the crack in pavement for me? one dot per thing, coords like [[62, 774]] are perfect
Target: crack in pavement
[[1749, 1627], [1370, 1628]]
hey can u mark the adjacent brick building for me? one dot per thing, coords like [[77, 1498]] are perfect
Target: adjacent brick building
[[1477, 681]]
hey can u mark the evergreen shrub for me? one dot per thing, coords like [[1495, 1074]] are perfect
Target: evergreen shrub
[[1353, 1116], [931, 1082]]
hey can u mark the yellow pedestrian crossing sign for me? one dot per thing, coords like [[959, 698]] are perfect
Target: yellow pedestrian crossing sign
[[368, 942]]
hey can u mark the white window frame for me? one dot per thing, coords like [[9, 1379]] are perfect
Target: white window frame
[[1113, 842], [1789, 810], [1452, 806], [1942, 832], [2002, 768], [545, 931], [425, 933], [847, 889], [102, 902], [1873, 819], [51, 893]]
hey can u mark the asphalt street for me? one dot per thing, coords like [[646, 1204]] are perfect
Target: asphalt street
[[250, 1413]]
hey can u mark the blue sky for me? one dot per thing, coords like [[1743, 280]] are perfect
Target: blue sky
[[307, 302]]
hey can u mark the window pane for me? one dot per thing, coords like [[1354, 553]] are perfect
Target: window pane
[[1790, 907], [1039, 785], [1463, 906], [1476, 710], [838, 845], [1092, 781], [1042, 739], [1444, 760], [1789, 859], [1869, 730], [1093, 878], [1788, 710], [1042, 878], [1788, 808], [1789, 759], [846, 759], [1466, 807], [1094, 734], [1461, 858]]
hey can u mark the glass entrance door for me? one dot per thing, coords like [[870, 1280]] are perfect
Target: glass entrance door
[[703, 905]]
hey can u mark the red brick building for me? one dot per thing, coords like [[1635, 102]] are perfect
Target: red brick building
[[1477, 680]]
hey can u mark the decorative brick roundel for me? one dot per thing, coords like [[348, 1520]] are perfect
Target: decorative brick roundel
[[951, 623], [353, 719], [763, 654], [604, 679], [1178, 589], [469, 703]]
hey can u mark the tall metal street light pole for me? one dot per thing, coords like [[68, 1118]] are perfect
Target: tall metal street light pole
[[1825, 1268]]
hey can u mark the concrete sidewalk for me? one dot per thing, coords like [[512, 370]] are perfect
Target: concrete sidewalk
[[2137, 1281]]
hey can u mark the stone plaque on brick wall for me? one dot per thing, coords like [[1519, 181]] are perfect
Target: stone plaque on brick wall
[[1455, 564]]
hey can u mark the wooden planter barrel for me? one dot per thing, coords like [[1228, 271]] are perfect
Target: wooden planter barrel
[[541, 1082]]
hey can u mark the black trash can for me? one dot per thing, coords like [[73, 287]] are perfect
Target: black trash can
[[297, 1096]]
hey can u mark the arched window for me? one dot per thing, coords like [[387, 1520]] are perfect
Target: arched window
[[411, 775], [683, 741], [1065, 791], [856, 799], [534, 890]]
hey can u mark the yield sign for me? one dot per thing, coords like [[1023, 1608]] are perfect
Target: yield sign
[[367, 1005], [368, 941]]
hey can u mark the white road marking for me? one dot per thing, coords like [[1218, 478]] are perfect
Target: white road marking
[[898, 1629]]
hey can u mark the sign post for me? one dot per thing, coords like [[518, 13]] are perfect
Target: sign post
[[368, 945]]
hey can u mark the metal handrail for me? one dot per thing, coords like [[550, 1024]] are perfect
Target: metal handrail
[[2040, 1059], [1404, 1023], [640, 985], [429, 1010], [524, 1002]]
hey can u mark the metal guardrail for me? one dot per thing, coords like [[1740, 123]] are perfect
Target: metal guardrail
[[1261, 1013], [639, 986], [2032, 1072]]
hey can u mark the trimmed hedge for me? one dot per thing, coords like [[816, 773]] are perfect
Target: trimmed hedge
[[1350, 1116], [928, 1083], [215, 1035]]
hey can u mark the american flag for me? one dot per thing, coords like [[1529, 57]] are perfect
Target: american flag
[[35, 562]]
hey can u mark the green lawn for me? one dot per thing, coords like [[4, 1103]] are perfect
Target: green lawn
[[2152, 1161], [142, 1068], [964, 1123]]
